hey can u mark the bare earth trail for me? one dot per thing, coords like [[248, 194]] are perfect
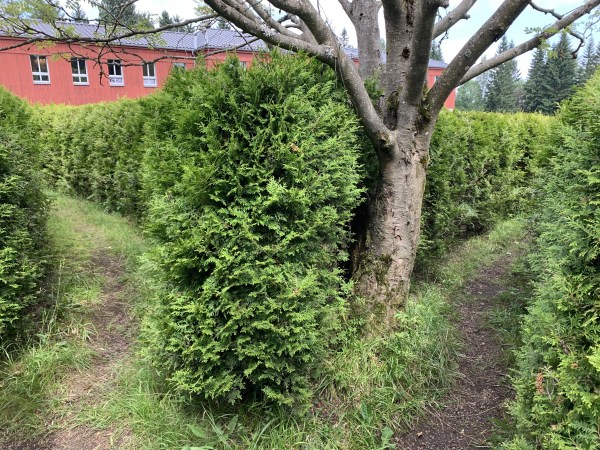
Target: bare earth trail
[[114, 331], [480, 394], [112, 321]]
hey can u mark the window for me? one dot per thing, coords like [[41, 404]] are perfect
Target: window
[[39, 69], [179, 65], [79, 71], [115, 73], [149, 75]]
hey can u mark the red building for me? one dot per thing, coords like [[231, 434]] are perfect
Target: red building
[[134, 67]]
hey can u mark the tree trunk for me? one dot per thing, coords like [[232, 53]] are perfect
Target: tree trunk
[[384, 273], [363, 14]]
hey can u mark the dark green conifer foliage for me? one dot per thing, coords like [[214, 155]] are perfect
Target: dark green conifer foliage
[[252, 187], [75, 11], [436, 51], [557, 384], [589, 62], [535, 99], [502, 88], [559, 77], [122, 12]]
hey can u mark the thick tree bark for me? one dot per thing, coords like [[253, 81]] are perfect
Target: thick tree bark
[[394, 224]]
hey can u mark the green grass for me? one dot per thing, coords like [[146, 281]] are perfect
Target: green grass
[[370, 389], [55, 342]]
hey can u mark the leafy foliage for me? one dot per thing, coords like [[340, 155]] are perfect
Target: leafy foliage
[[22, 213], [480, 170], [558, 402], [248, 182], [252, 226]]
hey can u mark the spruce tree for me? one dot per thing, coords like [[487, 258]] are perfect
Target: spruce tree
[[535, 97], [122, 13], [560, 74], [75, 11], [436, 51], [589, 62], [165, 19], [503, 84], [344, 38]]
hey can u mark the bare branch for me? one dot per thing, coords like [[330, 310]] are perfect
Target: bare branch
[[419, 55], [532, 43], [558, 16], [21, 28], [453, 17]]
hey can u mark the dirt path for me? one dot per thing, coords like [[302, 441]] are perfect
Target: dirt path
[[479, 396], [112, 322]]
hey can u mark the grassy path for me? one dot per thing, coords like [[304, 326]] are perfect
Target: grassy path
[[487, 305], [80, 382], [87, 333]]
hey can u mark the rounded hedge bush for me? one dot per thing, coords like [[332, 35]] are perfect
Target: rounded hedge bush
[[251, 184]]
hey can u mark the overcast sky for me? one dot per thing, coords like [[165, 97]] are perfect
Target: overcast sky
[[457, 36]]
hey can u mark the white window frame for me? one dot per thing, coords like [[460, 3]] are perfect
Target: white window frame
[[149, 79], [39, 73], [81, 75], [114, 78]]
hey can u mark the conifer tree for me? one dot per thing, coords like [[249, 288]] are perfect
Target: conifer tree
[[589, 62], [560, 74], [470, 97], [344, 38], [122, 13], [503, 84], [535, 97], [75, 11], [165, 19], [436, 51]]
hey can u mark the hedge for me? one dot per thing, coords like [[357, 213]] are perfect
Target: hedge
[[23, 210], [481, 169], [558, 379], [247, 181]]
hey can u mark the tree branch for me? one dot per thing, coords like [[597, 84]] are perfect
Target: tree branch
[[419, 55], [532, 43], [492, 30], [453, 17]]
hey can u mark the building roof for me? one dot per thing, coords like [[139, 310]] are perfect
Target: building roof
[[210, 38]]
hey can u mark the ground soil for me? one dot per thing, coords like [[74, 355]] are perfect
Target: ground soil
[[479, 395], [111, 319]]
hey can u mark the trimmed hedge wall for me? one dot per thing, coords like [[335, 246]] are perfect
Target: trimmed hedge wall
[[481, 169], [558, 378], [23, 210], [247, 180]]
